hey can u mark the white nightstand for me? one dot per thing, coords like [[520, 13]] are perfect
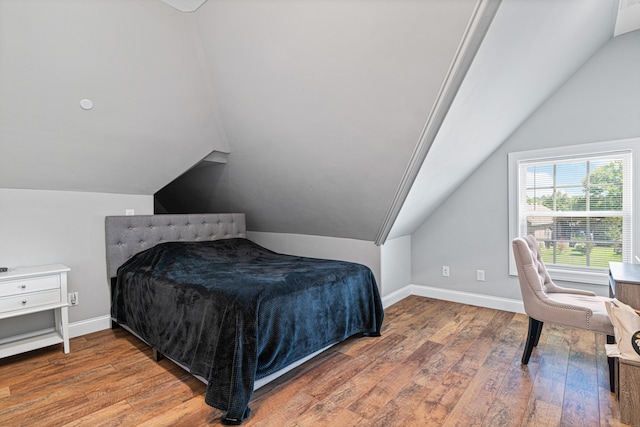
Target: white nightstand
[[30, 290]]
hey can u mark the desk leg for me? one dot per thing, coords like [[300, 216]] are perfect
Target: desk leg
[[611, 361], [629, 392]]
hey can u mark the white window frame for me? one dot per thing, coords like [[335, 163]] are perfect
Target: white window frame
[[576, 274]]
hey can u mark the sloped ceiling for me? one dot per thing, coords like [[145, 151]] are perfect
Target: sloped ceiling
[[319, 104], [139, 62], [628, 18], [531, 49], [322, 103]]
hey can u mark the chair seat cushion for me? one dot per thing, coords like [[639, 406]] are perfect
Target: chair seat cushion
[[598, 322]]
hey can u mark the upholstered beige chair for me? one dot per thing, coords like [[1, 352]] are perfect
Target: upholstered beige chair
[[544, 301]]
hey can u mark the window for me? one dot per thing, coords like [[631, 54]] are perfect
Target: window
[[578, 202]]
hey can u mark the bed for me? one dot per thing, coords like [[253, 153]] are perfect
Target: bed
[[231, 312]]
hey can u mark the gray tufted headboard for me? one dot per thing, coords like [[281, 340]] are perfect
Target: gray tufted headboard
[[128, 235]]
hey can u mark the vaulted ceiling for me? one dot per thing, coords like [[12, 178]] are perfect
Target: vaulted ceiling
[[313, 111], [153, 113], [322, 103], [531, 49]]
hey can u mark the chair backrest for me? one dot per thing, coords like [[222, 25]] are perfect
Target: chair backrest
[[532, 274], [528, 249]]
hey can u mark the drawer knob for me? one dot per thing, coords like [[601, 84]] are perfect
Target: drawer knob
[[24, 301], [23, 286]]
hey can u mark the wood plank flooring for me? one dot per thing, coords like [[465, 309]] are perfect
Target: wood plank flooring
[[437, 364]]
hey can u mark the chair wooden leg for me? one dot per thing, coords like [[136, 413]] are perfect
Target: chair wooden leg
[[535, 328], [612, 370], [539, 331]]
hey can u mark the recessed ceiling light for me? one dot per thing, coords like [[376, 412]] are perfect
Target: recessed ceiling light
[[86, 104]]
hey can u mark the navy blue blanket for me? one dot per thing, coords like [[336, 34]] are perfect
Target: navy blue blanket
[[232, 311]]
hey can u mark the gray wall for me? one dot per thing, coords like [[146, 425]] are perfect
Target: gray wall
[[531, 49], [351, 250], [322, 103], [469, 230], [49, 227], [395, 264]]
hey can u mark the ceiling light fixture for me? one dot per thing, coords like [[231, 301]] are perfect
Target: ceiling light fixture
[[185, 5], [86, 104]]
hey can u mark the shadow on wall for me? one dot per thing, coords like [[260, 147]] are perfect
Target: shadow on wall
[[200, 189]]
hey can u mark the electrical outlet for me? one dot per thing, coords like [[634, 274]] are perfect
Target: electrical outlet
[[129, 212], [73, 298], [480, 275], [445, 270]]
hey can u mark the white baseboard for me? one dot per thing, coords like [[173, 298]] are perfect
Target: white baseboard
[[396, 296], [480, 300], [88, 326]]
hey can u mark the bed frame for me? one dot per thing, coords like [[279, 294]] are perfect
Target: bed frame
[[128, 235]]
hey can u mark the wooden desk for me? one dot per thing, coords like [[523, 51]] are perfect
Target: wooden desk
[[624, 284]]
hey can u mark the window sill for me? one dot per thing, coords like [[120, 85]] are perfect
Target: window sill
[[576, 276], [592, 278]]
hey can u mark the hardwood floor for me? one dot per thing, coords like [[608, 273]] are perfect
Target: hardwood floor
[[437, 363]]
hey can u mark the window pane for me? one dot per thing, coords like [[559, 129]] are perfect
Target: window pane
[[539, 184], [605, 186], [570, 199], [571, 174], [540, 176], [578, 241], [605, 199], [570, 190], [577, 186]]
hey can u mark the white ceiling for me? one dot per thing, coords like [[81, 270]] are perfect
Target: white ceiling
[[153, 114], [628, 18], [322, 103], [185, 5], [319, 104], [531, 49]]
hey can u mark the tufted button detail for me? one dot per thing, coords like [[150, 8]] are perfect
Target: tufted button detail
[[159, 229]]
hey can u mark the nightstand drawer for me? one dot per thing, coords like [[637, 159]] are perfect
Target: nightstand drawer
[[22, 286], [35, 299]]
